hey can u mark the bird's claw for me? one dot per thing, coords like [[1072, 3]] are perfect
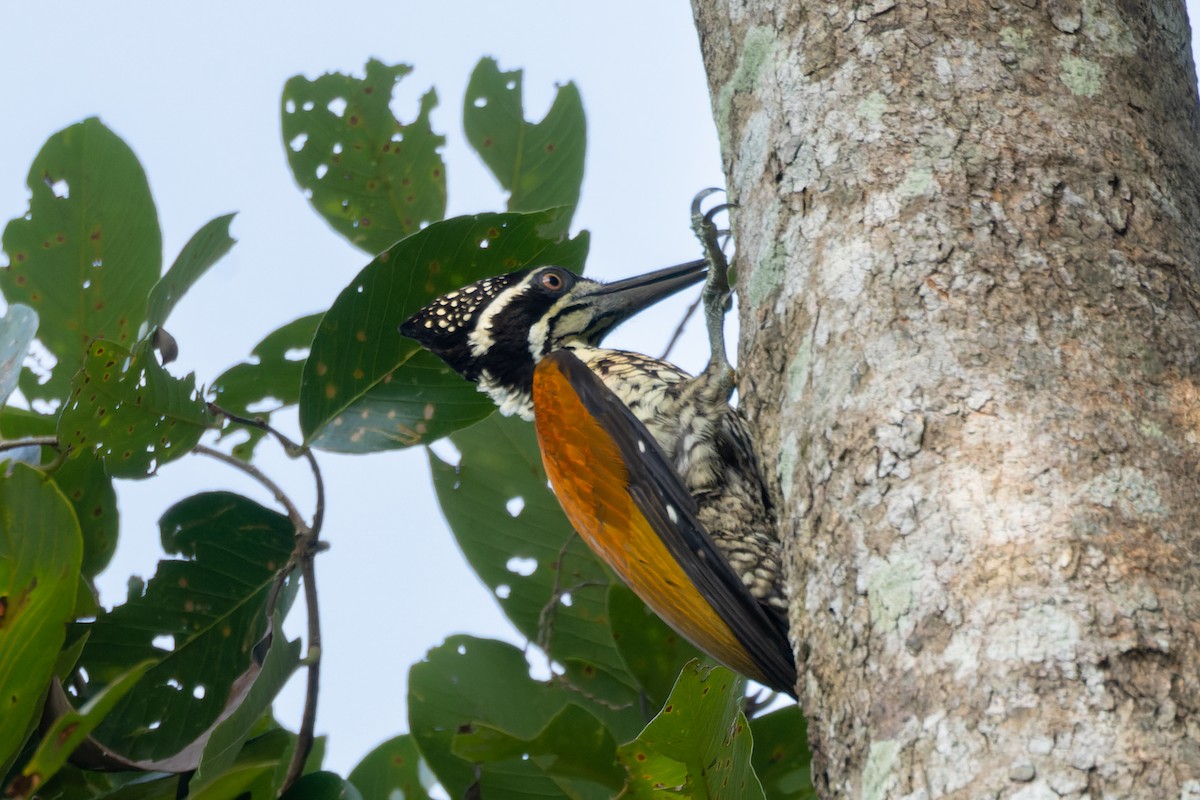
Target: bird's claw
[[700, 197], [717, 293]]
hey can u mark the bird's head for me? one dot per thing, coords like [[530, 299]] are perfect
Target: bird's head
[[494, 331]]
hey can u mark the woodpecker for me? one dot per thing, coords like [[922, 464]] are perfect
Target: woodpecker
[[653, 467]]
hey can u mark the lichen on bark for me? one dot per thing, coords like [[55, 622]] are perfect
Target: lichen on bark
[[968, 257]]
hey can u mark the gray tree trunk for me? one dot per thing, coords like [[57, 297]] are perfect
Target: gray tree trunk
[[969, 253]]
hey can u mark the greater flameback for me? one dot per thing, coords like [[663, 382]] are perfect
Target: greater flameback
[[653, 467]]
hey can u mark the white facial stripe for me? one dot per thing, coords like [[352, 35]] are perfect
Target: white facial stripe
[[575, 321], [481, 337]]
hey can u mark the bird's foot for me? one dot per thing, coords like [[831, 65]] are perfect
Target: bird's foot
[[716, 293]]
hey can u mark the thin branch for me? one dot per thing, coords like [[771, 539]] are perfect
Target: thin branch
[[304, 737], [687, 315], [31, 441], [308, 544], [254, 472]]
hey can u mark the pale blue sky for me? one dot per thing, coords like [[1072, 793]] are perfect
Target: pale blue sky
[[194, 89]]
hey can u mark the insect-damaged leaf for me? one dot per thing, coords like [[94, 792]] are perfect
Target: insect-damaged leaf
[[88, 253], [133, 412], [366, 387], [200, 616], [374, 179], [541, 164]]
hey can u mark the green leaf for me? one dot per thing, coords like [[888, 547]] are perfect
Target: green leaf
[[201, 615], [19, 422], [72, 783], [699, 745], [374, 179], [272, 375], [17, 329], [781, 756], [541, 164], [322, 786], [70, 730], [40, 551], [574, 744], [206, 247], [88, 253], [90, 491], [132, 411], [365, 387], [527, 556], [393, 769], [84, 482], [652, 652], [468, 681], [251, 779], [226, 741]]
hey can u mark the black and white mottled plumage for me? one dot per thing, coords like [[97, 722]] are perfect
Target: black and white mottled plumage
[[495, 331]]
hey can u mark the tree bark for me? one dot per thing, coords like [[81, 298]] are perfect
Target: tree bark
[[968, 246]]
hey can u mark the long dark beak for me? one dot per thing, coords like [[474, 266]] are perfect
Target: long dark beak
[[642, 291], [615, 302]]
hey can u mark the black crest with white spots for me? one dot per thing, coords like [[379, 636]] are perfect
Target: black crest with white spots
[[444, 326]]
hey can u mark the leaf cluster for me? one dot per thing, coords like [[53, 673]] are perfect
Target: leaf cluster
[[173, 686]]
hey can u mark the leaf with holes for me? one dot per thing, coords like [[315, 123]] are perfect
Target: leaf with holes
[[134, 413], [269, 380], [206, 247], [374, 179], [652, 652], [67, 732], [40, 551], [700, 742], [89, 251], [516, 538], [393, 769], [201, 615], [367, 388], [468, 681], [17, 329], [781, 756], [541, 165]]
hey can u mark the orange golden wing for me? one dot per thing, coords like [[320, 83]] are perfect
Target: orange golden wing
[[624, 497]]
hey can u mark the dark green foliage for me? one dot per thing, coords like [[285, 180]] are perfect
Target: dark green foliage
[[180, 677]]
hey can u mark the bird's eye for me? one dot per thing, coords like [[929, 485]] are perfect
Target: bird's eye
[[553, 281]]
